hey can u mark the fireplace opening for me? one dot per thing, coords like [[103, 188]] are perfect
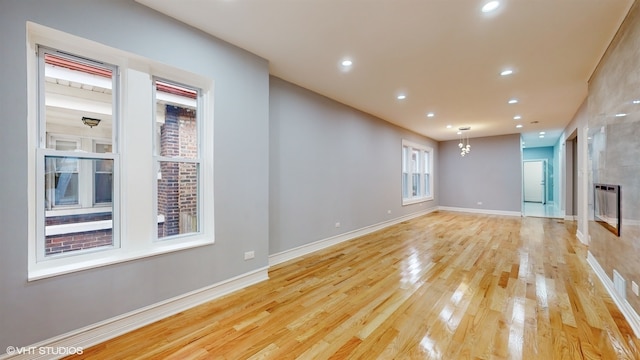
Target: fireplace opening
[[607, 206]]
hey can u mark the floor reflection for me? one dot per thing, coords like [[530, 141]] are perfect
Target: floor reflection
[[548, 210]]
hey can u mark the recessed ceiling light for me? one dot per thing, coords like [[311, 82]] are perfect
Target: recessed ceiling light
[[541, 136], [506, 72], [431, 114], [346, 62], [517, 117], [449, 126], [513, 101], [401, 97], [542, 132], [636, 101], [459, 133], [518, 126], [621, 115], [490, 6]]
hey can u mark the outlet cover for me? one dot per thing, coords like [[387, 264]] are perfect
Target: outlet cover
[[249, 255]]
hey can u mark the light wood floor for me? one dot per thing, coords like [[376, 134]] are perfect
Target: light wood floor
[[443, 286]]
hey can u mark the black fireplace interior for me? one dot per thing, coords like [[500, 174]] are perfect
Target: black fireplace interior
[[607, 206]]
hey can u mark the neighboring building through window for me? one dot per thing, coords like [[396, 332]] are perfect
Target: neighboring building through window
[[417, 169], [78, 160], [178, 158]]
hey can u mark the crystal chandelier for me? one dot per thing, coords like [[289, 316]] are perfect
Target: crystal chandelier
[[464, 145]]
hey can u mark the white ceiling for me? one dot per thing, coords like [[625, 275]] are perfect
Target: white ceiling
[[445, 55]]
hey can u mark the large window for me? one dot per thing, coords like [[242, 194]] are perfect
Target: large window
[[77, 160], [119, 156], [417, 183]]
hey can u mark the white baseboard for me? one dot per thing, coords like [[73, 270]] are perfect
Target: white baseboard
[[481, 211], [629, 313], [581, 237], [105, 330], [325, 243]]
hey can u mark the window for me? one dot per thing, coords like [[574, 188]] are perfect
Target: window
[[118, 156], [417, 168], [177, 158], [77, 177]]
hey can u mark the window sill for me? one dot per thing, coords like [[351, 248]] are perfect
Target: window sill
[[97, 259], [416, 200]]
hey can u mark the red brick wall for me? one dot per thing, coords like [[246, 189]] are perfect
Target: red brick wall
[[177, 188]]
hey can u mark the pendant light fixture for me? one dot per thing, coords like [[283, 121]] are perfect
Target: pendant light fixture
[[464, 145]]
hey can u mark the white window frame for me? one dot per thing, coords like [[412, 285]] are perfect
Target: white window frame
[[425, 193], [159, 159], [133, 159]]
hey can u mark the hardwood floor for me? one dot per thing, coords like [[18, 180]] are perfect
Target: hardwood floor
[[442, 286]]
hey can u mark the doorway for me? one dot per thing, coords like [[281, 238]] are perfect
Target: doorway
[[536, 190], [534, 178]]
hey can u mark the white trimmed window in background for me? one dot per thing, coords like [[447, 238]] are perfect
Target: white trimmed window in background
[[417, 173]]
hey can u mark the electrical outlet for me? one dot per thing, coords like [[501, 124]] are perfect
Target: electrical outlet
[[337, 224], [634, 288], [388, 211], [479, 202], [249, 255]]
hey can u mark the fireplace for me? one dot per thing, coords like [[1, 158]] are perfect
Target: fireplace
[[606, 206]]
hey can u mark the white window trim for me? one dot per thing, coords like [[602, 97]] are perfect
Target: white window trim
[[136, 241], [424, 151], [157, 159]]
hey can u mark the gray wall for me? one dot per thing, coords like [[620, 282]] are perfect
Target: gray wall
[[34, 311], [331, 163], [491, 174], [544, 153]]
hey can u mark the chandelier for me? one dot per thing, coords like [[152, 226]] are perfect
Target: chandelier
[[464, 145]]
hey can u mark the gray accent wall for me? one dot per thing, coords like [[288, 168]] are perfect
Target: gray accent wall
[[490, 174], [331, 163], [34, 311]]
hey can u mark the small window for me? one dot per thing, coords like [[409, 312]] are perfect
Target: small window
[[103, 177], [417, 170], [177, 151]]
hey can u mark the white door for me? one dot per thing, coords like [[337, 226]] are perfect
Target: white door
[[534, 185]]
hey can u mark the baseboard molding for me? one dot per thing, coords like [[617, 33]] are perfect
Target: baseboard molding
[[581, 237], [105, 330], [626, 309], [296, 252], [481, 211], [570, 217]]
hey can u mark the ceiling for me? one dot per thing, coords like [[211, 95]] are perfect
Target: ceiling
[[446, 56]]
